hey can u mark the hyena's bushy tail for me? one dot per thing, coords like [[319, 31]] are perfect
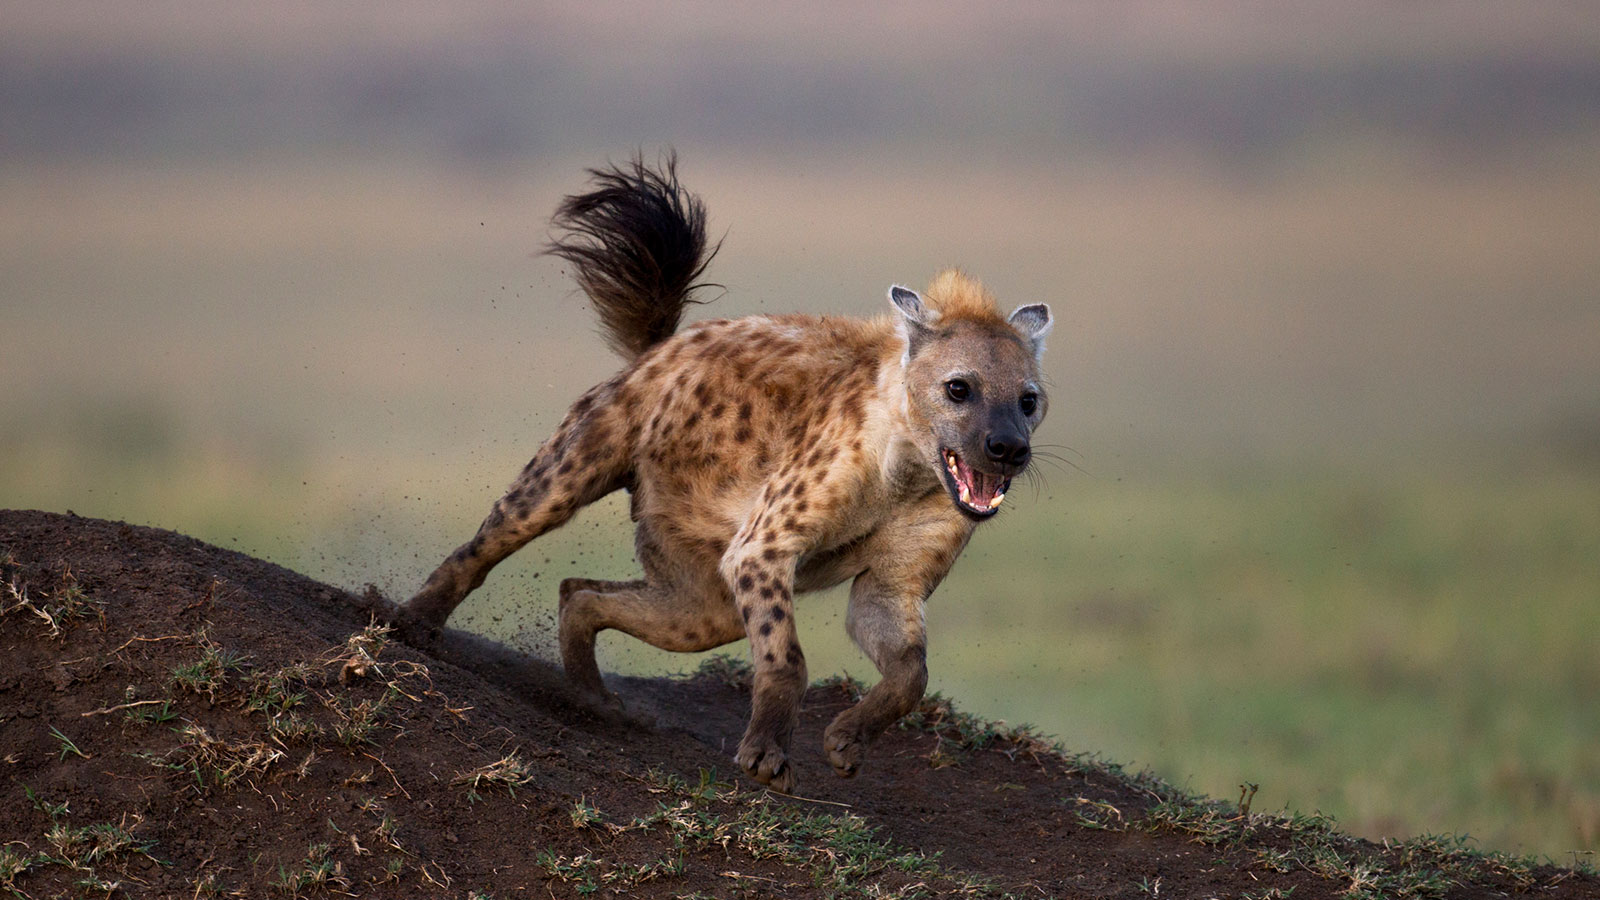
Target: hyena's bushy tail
[[637, 243]]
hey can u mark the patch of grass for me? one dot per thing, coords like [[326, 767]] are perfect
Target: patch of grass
[[66, 745], [154, 714], [356, 723], [86, 846], [208, 674], [212, 762], [80, 849], [386, 831], [843, 854], [705, 790], [961, 734], [318, 869], [208, 885], [57, 609], [509, 772], [1098, 814], [94, 884], [358, 657], [279, 691], [53, 810], [15, 862], [585, 814], [589, 873], [285, 728], [280, 696], [1429, 866]]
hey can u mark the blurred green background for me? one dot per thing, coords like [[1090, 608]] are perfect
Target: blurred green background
[[1325, 378]]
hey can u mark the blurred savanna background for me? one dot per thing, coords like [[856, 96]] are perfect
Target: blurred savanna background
[[1325, 377]]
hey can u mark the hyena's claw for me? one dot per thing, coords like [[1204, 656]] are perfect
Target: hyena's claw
[[418, 631], [602, 700], [844, 747], [766, 762]]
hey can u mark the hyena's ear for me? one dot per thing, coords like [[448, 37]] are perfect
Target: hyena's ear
[[915, 321], [1033, 323]]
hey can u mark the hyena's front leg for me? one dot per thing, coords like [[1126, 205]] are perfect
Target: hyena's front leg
[[763, 587], [885, 619]]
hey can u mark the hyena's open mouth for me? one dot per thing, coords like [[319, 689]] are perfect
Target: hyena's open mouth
[[976, 493]]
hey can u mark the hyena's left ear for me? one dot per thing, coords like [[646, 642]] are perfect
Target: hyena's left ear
[[915, 320], [1033, 323]]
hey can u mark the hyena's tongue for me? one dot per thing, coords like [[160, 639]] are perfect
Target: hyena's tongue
[[977, 490]]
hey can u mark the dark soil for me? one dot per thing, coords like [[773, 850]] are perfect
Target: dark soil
[[178, 720]]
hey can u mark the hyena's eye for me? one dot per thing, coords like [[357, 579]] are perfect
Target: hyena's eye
[[957, 389], [1029, 402]]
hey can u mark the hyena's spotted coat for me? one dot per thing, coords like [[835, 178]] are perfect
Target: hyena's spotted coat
[[767, 456]]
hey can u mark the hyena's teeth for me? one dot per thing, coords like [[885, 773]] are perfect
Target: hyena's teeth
[[996, 501]]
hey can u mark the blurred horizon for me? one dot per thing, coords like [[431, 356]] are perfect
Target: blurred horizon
[[1405, 205], [1325, 376]]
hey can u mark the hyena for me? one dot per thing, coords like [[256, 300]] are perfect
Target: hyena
[[766, 456]]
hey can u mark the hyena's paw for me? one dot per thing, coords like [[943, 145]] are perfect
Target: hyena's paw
[[418, 631], [607, 706], [845, 745], [599, 699], [767, 762]]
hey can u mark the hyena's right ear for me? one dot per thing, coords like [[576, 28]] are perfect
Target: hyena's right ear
[[914, 322]]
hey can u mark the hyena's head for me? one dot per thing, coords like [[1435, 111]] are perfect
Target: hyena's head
[[973, 386]]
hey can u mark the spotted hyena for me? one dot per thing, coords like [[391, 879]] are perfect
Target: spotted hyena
[[766, 456]]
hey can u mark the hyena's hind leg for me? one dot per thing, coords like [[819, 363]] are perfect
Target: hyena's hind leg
[[587, 458], [671, 617]]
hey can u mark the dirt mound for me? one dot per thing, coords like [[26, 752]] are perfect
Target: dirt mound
[[181, 720]]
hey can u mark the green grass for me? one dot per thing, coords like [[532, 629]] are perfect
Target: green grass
[[508, 772], [1410, 651], [844, 854]]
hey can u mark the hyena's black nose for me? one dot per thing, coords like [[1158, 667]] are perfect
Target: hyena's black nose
[[1006, 449]]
